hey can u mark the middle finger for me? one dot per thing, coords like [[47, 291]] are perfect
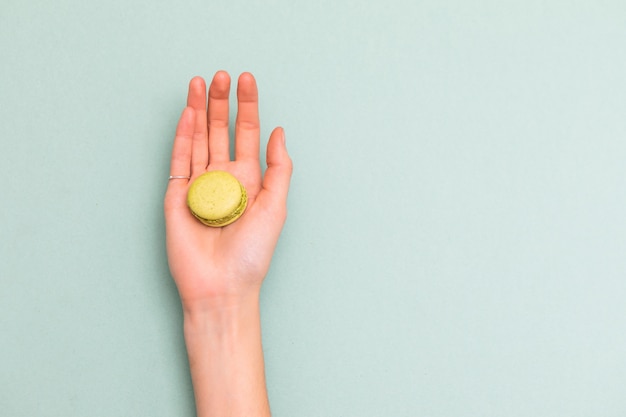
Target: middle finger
[[217, 118]]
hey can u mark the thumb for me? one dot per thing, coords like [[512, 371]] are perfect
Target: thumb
[[279, 169]]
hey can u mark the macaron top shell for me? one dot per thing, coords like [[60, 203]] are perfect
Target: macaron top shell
[[217, 198]]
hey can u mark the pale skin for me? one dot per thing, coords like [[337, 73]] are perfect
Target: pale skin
[[219, 271]]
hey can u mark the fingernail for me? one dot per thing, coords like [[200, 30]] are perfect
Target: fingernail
[[283, 136]]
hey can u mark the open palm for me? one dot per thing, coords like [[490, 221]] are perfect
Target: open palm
[[216, 264]]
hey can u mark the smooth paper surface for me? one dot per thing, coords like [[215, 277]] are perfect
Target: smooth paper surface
[[456, 238]]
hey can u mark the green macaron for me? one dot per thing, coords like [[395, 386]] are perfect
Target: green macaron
[[217, 198]]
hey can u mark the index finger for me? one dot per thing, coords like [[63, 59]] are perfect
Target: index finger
[[247, 127]]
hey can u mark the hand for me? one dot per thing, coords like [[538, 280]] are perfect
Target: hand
[[222, 265]]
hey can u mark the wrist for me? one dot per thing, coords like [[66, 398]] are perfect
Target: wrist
[[224, 315], [203, 304]]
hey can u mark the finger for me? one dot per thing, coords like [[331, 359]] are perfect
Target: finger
[[218, 118], [180, 164], [196, 99], [247, 127], [278, 173]]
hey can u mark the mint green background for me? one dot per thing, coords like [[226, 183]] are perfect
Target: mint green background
[[456, 238]]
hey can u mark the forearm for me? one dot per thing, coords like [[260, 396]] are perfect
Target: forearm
[[226, 358]]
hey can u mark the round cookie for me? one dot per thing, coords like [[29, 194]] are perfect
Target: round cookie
[[217, 198]]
